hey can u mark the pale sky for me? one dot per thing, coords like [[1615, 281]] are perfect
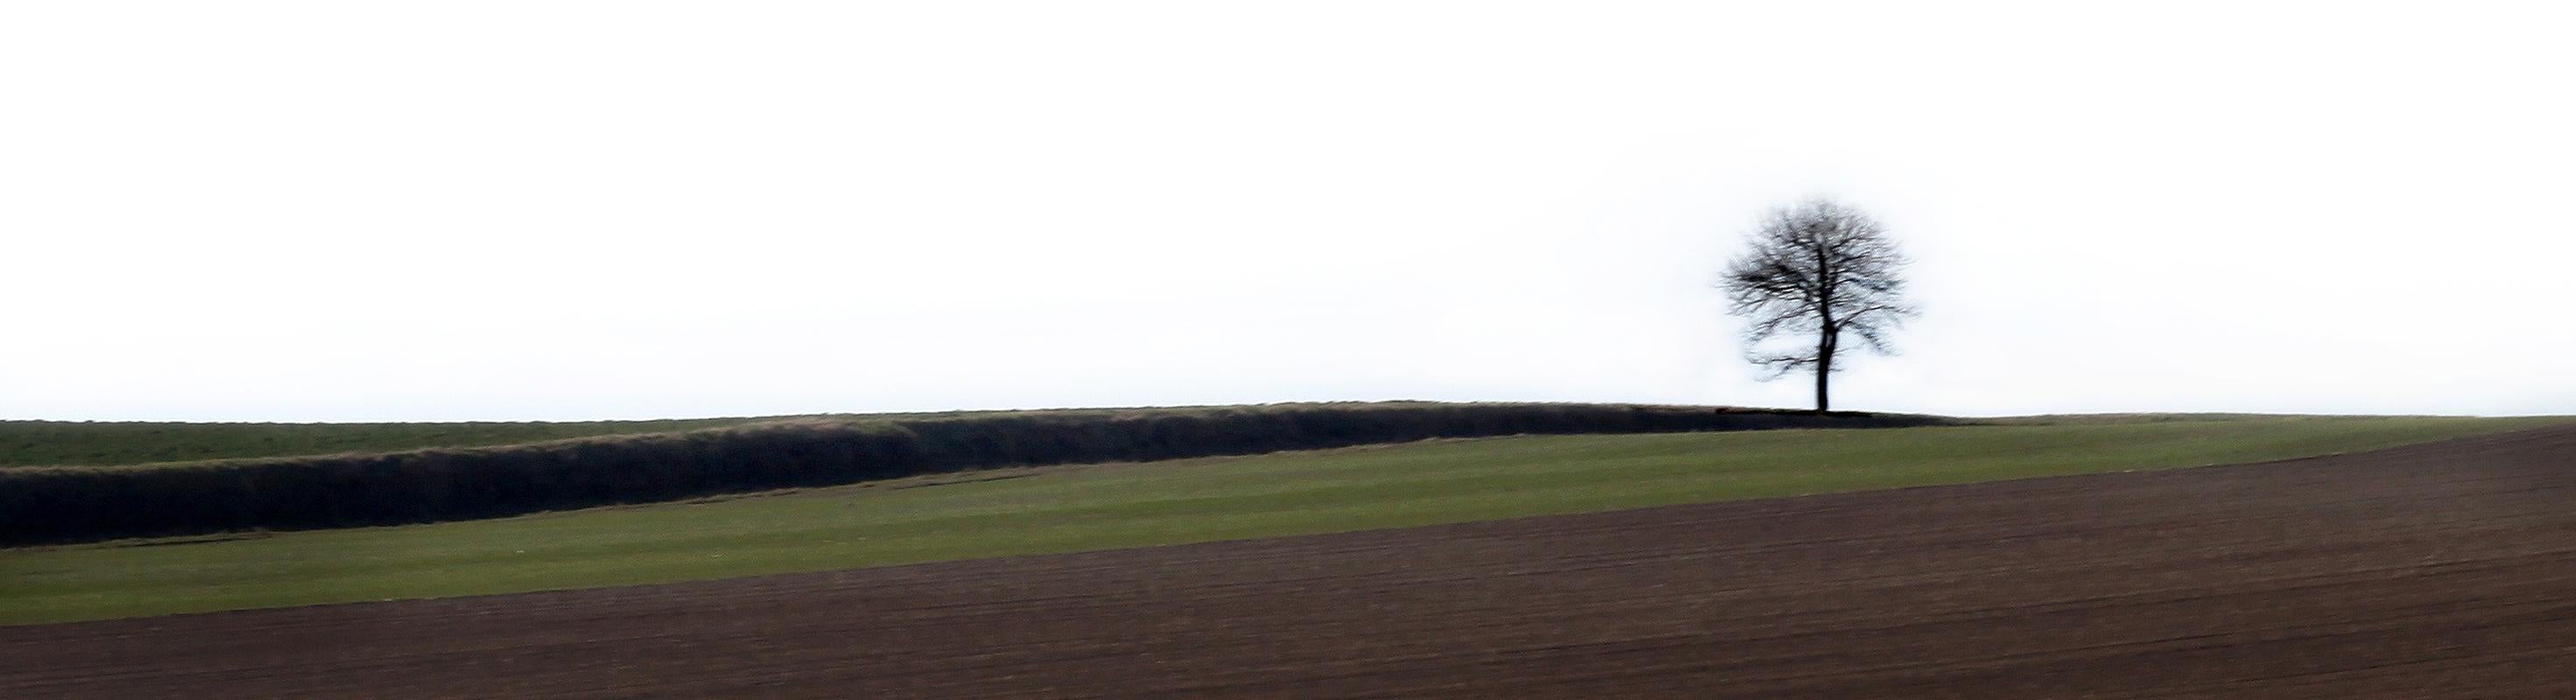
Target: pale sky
[[337, 211]]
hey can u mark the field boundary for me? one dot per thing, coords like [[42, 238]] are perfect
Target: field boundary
[[61, 504]]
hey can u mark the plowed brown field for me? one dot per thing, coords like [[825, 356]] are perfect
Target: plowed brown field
[[2437, 571]]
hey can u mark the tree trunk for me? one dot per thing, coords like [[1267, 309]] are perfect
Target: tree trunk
[[1824, 369]]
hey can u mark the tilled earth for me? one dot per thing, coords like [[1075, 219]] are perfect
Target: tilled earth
[[2445, 570]]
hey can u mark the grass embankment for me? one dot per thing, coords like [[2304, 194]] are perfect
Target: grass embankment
[[44, 443], [25, 443], [70, 504], [1066, 509]]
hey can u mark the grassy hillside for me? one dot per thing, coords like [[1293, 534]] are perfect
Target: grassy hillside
[[58, 504], [36, 443], [1064, 509], [92, 443]]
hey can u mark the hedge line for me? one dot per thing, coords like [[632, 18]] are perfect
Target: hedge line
[[73, 504]]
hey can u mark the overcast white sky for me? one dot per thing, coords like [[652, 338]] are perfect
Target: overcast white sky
[[573, 210]]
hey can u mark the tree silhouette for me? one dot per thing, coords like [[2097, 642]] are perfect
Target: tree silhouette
[[1817, 267]]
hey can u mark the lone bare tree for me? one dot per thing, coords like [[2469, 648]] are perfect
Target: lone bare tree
[[1816, 267]]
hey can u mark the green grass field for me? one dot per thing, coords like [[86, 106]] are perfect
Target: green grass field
[[1066, 509]]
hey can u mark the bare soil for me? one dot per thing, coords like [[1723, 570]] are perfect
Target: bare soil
[[2445, 570]]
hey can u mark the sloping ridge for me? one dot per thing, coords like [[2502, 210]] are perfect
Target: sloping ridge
[[2438, 570], [74, 504]]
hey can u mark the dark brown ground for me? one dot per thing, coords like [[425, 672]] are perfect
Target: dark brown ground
[[2438, 571]]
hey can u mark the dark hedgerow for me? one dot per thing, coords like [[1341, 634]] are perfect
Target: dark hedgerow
[[75, 504]]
